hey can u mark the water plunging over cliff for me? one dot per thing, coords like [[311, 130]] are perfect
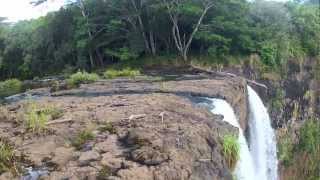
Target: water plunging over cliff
[[262, 139], [260, 161], [245, 167]]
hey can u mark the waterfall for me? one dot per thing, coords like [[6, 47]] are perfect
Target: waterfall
[[262, 139], [244, 168], [259, 162]]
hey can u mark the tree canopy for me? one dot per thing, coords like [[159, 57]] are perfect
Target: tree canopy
[[87, 34]]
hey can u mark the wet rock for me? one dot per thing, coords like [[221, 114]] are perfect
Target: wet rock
[[34, 174], [86, 157]]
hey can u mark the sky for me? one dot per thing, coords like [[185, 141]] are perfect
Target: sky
[[16, 10]]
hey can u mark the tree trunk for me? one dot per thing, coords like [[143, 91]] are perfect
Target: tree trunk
[[84, 15], [182, 45], [185, 55], [152, 43], [100, 58], [91, 59], [141, 26]]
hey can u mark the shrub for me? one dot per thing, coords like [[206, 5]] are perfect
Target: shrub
[[286, 150], [36, 116], [104, 173], [309, 150], [231, 150], [108, 127], [7, 157], [309, 140], [82, 138], [10, 87], [5, 115], [82, 78], [127, 72], [53, 112], [36, 120]]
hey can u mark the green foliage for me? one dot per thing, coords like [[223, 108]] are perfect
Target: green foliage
[[127, 72], [52, 111], [10, 87], [36, 116], [82, 78], [108, 127], [286, 150], [104, 173], [123, 54], [277, 102], [7, 156], [35, 119], [268, 54], [5, 115], [302, 158], [64, 40], [310, 136], [231, 150], [82, 138]]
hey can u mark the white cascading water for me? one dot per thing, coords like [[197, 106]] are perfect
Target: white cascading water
[[260, 161], [263, 145], [244, 168]]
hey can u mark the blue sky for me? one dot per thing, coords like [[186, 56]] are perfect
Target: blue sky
[[16, 10]]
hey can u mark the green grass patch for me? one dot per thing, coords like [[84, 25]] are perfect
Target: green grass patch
[[82, 78], [104, 173], [7, 157], [10, 87], [5, 115], [108, 127], [231, 150], [126, 72], [35, 119], [36, 116], [82, 138]]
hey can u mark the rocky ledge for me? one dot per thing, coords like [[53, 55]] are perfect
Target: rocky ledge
[[142, 129]]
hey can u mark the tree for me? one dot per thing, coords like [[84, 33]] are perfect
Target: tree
[[175, 9]]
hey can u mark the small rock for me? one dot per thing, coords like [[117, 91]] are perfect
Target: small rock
[[6, 176], [88, 173], [62, 156], [113, 178], [141, 173], [109, 145], [111, 162], [86, 157], [149, 156]]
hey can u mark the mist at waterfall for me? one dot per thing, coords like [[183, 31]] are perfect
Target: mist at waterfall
[[258, 159]]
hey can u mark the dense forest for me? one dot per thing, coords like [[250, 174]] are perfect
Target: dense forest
[[88, 34]]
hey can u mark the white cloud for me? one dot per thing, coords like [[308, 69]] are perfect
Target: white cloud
[[16, 10]]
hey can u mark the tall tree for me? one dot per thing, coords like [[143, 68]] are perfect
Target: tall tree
[[175, 9]]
